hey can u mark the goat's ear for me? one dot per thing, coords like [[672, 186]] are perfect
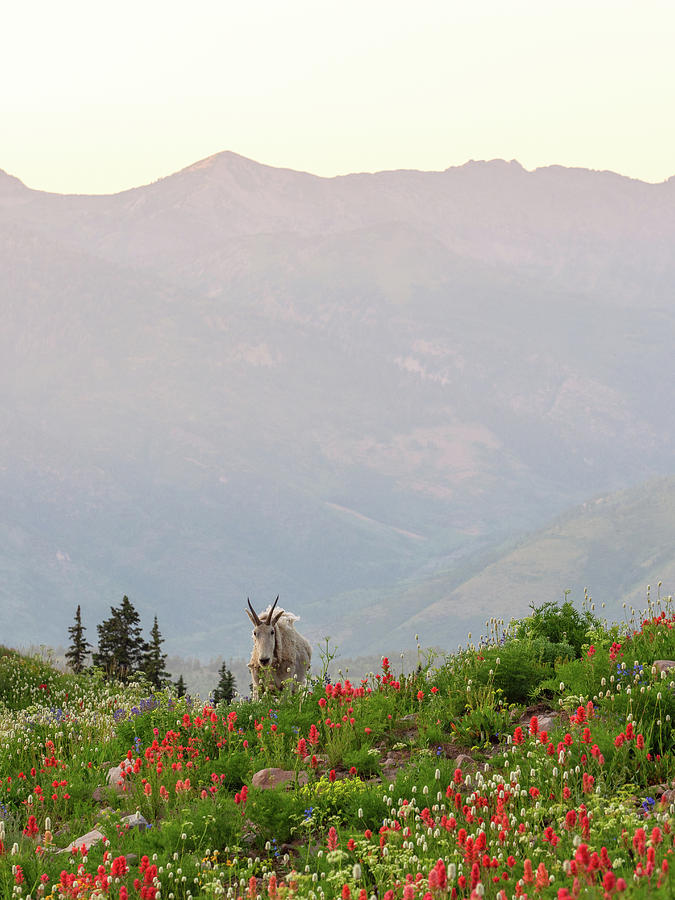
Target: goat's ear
[[251, 618], [277, 617]]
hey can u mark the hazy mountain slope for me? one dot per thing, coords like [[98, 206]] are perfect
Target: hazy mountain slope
[[614, 545], [243, 380]]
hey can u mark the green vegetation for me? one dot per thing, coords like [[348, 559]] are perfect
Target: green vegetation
[[226, 687], [447, 782]]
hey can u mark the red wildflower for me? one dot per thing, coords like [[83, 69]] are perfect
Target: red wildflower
[[119, 867], [31, 828]]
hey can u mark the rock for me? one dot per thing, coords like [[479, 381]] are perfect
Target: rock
[[88, 839], [547, 722], [662, 665], [464, 760], [135, 820], [411, 717], [98, 794], [547, 718], [270, 778], [115, 778], [668, 797]]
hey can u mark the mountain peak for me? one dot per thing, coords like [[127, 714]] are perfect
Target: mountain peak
[[224, 157], [226, 161], [495, 164]]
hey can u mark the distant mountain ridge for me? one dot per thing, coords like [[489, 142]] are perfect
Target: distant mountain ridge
[[247, 380], [547, 220]]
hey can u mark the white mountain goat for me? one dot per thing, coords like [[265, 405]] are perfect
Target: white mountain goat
[[279, 652]]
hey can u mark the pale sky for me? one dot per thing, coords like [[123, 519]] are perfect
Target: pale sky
[[95, 98]]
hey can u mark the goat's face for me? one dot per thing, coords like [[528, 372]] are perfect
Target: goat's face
[[265, 639], [264, 634]]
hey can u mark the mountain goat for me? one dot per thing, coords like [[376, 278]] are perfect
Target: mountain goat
[[278, 649]]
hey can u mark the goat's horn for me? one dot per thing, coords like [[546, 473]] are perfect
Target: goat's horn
[[269, 618], [255, 614]]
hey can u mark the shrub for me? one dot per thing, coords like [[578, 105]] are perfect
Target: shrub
[[518, 673], [558, 624]]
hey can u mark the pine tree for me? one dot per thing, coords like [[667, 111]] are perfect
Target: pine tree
[[80, 646], [120, 642], [154, 661], [226, 685], [180, 686]]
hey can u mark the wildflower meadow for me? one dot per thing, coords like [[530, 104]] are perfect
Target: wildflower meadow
[[536, 762]]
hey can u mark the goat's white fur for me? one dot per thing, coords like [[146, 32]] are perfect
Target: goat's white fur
[[292, 653]]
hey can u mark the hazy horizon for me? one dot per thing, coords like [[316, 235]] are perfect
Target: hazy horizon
[[100, 103]]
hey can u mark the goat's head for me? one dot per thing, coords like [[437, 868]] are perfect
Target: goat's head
[[264, 633]]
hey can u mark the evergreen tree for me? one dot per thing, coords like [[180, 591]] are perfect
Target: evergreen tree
[[180, 686], [121, 647], [80, 646], [154, 661], [226, 685]]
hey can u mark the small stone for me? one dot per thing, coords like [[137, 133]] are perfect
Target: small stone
[[547, 722], [115, 778], [464, 760], [88, 839], [270, 778], [662, 665], [135, 820]]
